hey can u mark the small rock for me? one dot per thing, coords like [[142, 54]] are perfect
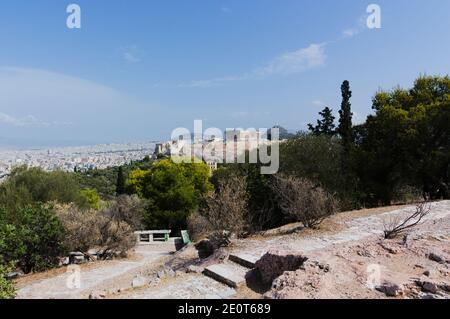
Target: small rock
[[389, 248], [155, 281], [391, 289], [97, 294], [166, 273], [194, 269], [76, 258], [64, 261], [435, 257], [445, 287], [430, 287], [138, 281], [427, 273], [12, 275], [170, 273]]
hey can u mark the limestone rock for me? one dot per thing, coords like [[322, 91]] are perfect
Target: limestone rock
[[274, 263], [138, 281], [194, 269], [391, 289], [98, 294]]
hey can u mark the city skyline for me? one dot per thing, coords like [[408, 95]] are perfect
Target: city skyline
[[135, 73]]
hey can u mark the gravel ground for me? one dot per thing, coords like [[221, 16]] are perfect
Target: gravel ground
[[99, 276]]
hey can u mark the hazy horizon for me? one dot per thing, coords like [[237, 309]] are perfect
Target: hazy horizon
[[228, 63]]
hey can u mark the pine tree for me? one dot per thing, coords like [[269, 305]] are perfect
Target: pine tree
[[120, 185], [325, 125]]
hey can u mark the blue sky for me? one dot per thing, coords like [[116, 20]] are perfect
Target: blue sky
[[136, 70]]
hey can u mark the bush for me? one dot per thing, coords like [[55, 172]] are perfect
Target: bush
[[116, 237], [130, 209], [32, 236], [89, 198], [303, 201], [31, 185], [198, 226], [82, 230], [226, 209], [7, 290], [398, 225], [108, 232]]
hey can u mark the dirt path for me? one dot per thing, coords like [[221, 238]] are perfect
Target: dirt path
[[351, 230], [97, 276]]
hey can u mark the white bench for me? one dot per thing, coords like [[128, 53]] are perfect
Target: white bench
[[147, 237]]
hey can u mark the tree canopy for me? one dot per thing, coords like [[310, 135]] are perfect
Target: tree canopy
[[173, 191]]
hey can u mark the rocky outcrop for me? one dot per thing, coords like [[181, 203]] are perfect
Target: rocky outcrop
[[276, 262], [303, 283]]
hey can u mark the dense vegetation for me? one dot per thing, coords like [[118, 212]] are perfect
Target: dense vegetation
[[173, 191]]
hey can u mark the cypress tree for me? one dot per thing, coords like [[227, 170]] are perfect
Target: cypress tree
[[120, 185], [345, 116]]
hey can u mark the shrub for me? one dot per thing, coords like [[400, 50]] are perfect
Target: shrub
[[88, 198], [116, 237], [397, 225], [32, 236], [82, 230], [303, 201], [226, 209], [198, 226], [130, 209], [108, 232], [7, 290]]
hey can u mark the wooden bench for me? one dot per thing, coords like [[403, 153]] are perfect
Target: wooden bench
[[147, 237]]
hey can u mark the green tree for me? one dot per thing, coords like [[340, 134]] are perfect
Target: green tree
[[89, 198], [120, 184], [325, 125], [173, 191], [407, 141], [27, 186], [31, 236], [345, 116], [345, 131]]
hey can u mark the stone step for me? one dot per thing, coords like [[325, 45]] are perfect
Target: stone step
[[231, 275], [244, 260]]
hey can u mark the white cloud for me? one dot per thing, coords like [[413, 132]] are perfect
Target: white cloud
[[359, 27], [318, 103], [349, 33], [28, 120], [296, 61], [131, 54], [288, 63]]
